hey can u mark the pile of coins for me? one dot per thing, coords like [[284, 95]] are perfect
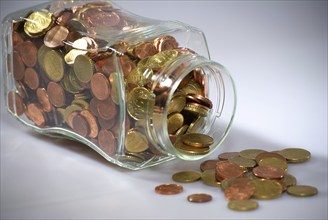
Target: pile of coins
[[67, 76], [245, 176]]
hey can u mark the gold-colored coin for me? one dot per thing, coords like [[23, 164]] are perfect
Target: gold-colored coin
[[250, 153], [196, 125], [208, 177], [302, 190], [67, 85], [197, 109], [70, 109], [176, 104], [197, 140], [135, 141], [274, 162], [140, 76], [38, 23], [83, 68], [243, 205], [53, 65], [192, 88], [186, 149], [186, 176], [174, 122], [114, 86], [243, 162], [74, 81], [140, 102], [161, 58], [289, 180], [79, 48], [266, 189], [84, 104], [43, 50], [295, 155], [181, 130]]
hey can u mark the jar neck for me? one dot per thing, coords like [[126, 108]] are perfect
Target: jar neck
[[185, 75]]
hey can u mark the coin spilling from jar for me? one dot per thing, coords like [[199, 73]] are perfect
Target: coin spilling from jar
[[248, 176], [66, 75]]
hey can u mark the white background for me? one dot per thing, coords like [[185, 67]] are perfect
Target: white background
[[277, 54]]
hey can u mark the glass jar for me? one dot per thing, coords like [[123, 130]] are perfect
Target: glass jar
[[136, 90]]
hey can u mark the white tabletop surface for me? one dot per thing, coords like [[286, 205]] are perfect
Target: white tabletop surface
[[277, 54]]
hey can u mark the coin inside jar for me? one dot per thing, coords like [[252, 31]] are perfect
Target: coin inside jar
[[197, 140], [56, 36], [100, 86]]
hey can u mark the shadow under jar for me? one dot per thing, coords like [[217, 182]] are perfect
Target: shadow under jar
[[136, 90]]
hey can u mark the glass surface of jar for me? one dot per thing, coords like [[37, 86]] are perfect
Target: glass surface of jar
[[138, 91]]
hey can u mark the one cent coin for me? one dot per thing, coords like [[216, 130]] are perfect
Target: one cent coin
[[56, 94], [268, 172], [226, 170], [80, 125], [17, 108], [43, 99], [107, 142], [29, 53], [168, 189], [100, 86], [199, 198], [31, 78]]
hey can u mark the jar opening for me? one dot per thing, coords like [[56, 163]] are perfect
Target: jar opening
[[194, 108]]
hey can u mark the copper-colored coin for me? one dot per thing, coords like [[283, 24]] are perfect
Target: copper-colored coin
[[28, 52], [166, 43], [56, 94], [227, 155], [100, 86], [107, 142], [43, 98], [21, 89], [199, 197], [239, 192], [16, 38], [56, 36], [168, 189], [107, 109], [268, 172], [226, 170], [31, 78], [106, 124], [200, 100], [15, 103], [80, 125], [235, 181], [92, 122], [96, 17], [208, 164], [18, 66], [263, 155], [145, 50], [35, 113]]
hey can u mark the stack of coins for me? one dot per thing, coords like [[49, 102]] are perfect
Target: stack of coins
[[249, 175], [68, 76]]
